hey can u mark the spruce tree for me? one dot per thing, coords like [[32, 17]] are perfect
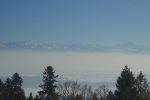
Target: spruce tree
[[1, 89], [18, 92], [142, 87], [94, 96], [110, 96], [30, 96], [7, 92], [48, 86], [126, 86], [11, 89], [36, 97], [1, 82]]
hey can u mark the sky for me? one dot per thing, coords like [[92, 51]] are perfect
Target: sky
[[75, 63], [105, 22], [81, 39]]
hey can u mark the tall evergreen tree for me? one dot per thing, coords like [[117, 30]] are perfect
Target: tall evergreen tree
[[30, 96], [18, 92], [110, 96], [48, 86], [7, 92], [126, 89], [36, 97], [94, 96], [11, 89], [1, 82], [142, 87], [1, 89]]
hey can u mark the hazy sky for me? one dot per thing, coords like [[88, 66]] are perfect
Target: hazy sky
[[75, 21], [104, 22], [77, 37], [71, 63]]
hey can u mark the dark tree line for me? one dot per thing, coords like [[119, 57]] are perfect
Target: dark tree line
[[11, 89], [128, 87]]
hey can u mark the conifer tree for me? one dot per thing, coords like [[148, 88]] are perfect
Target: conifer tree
[[11, 89], [18, 92], [110, 96], [48, 86], [142, 87], [36, 97], [30, 96], [126, 86], [94, 96], [7, 92], [1, 89], [1, 82]]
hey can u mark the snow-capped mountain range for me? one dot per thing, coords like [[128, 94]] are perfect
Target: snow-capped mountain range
[[127, 47]]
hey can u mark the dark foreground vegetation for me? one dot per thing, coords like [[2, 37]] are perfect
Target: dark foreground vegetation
[[128, 87]]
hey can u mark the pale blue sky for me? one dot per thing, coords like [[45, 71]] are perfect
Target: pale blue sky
[[75, 21], [114, 26]]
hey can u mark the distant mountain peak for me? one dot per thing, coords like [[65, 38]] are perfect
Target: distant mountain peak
[[22, 45]]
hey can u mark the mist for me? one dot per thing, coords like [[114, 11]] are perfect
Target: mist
[[32, 63]]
